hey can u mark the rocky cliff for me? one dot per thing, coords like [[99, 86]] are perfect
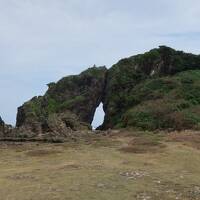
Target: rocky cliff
[[69, 104], [155, 90], [159, 89]]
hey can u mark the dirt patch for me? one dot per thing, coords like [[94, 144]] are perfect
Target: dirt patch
[[70, 166], [189, 138], [144, 144], [42, 152]]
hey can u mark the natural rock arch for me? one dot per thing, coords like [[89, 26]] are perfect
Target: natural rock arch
[[79, 95], [132, 92]]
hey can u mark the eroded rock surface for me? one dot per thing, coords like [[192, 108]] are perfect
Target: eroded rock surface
[[159, 89], [1, 126], [4, 128], [69, 104]]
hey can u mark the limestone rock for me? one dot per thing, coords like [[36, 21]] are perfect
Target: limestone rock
[[159, 89], [2, 125], [4, 128], [69, 104]]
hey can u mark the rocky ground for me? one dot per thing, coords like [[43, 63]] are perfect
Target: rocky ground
[[116, 165]]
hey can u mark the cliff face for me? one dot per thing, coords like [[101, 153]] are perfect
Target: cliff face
[[80, 94], [159, 89], [69, 104]]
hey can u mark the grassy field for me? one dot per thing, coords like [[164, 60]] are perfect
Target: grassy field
[[126, 165]]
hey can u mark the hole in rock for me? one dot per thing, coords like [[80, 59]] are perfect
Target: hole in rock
[[98, 117]]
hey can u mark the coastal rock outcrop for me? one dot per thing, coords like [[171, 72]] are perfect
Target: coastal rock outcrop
[[5, 129], [159, 89], [155, 90], [2, 124], [69, 104]]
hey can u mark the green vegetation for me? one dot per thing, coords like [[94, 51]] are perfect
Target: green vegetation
[[159, 89], [72, 102], [94, 71], [55, 106], [167, 102], [33, 108]]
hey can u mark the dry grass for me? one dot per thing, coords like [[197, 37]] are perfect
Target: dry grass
[[42, 152], [189, 138], [94, 169], [144, 144]]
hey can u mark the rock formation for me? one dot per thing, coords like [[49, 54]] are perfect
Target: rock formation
[[4, 128], [69, 104], [1, 126], [159, 89], [155, 90]]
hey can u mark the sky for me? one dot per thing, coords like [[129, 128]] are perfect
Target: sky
[[44, 40]]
